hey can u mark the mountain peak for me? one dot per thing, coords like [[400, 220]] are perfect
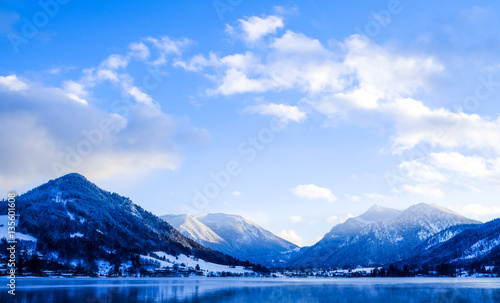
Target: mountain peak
[[431, 207], [72, 177], [234, 235], [378, 213], [374, 208]]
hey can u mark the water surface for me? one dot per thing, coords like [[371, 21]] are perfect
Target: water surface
[[118, 290]]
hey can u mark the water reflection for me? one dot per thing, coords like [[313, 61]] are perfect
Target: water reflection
[[253, 290]]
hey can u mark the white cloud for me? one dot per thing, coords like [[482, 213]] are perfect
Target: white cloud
[[66, 137], [416, 123], [236, 193], [75, 91], [421, 172], [115, 62], [236, 82], [453, 168], [311, 191], [104, 165], [425, 190], [352, 197], [131, 137], [358, 75], [292, 63], [139, 50], [285, 112], [296, 219], [12, 83], [139, 95], [469, 166], [198, 62], [291, 236], [254, 28], [478, 210], [295, 61], [387, 72], [297, 43], [169, 46]]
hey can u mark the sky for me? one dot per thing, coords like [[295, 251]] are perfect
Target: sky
[[294, 114]]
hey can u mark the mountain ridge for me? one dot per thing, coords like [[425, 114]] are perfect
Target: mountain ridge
[[236, 236], [73, 219], [389, 237]]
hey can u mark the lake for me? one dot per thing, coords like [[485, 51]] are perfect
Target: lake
[[200, 289]]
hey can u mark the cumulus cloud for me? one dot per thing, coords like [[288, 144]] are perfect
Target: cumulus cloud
[[425, 175], [358, 75], [469, 166], [291, 235], [115, 61], [12, 83], [63, 137], [292, 61], [478, 210], [254, 28], [70, 132], [313, 192], [75, 91], [166, 47], [417, 123], [424, 189], [139, 50], [285, 113]]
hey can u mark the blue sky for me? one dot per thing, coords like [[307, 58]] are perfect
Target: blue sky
[[293, 114]]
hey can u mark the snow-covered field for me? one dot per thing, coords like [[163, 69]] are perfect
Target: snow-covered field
[[190, 261]]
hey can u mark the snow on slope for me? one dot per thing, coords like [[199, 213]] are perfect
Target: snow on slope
[[192, 228], [190, 261], [480, 248], [352, 227], [4, 232], [442, 237], [242, 232], [233, 235], [384, 236]]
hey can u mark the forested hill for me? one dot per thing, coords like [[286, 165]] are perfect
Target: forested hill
[[73, 219]]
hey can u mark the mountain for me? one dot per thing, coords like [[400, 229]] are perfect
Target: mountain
[[197, 231], [235, 236], [379, 236], [71, 219], [353, 226], [462, 245]]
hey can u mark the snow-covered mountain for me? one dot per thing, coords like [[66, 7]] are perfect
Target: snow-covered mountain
[[72, 220], [464, 244], [379, 236], [194, 229], [235, 236]]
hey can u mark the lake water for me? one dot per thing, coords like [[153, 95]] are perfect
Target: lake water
[[121, 290]]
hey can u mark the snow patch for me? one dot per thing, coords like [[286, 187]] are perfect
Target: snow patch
[[480, 248], [191, 262], [4, 230]]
